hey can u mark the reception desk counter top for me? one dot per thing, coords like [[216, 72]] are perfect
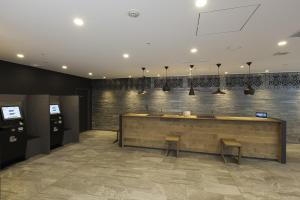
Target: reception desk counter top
[[199, 117], [260, 137]]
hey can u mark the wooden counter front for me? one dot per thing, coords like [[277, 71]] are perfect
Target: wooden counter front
[[260, 138]]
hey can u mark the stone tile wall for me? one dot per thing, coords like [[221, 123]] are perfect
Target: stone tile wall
[[277, 94]]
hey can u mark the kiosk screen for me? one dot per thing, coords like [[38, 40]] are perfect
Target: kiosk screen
[[54, 109], [11, 112]]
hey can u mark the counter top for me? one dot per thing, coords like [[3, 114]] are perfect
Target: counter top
[[199, 117]]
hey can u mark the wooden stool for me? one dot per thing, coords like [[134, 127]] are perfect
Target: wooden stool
[[232, 143], [173, 140]]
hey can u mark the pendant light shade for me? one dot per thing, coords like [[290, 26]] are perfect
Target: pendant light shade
[[249, 90], [166, 87], [143, 91], [192, 92], [219, 91]]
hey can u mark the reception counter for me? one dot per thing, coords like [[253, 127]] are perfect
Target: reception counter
[[260, 137]]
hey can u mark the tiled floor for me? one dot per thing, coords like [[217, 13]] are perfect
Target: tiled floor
[[96, 169]]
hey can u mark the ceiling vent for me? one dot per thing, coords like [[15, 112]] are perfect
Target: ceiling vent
[[133, 13], [280, 53], [296, 34]]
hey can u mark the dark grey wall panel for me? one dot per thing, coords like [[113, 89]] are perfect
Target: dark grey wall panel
[[38, 123], [70, 110], [22, 79], [277, 94]]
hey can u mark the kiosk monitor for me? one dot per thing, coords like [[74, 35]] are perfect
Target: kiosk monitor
[[11, 112], [54, 109], [262, 114]]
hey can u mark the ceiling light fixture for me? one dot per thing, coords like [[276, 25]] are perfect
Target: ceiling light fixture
[[200, 3], [194, 50], [125, 55], [166, 87], [104, 77], [226, 72], [78, 21], [267, 71], [282, 43], [242, 66], [90, 74], [249, 90], [64, 67], [192, 92], [218, 91], [19, 55], [129, 76]]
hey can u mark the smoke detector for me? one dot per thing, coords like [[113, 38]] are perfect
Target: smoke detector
[[133, 13]]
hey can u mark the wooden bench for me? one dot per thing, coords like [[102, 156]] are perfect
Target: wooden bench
[[172, 140], [231, 143]]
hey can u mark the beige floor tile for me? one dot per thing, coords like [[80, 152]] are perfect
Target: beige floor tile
[[96, 169]]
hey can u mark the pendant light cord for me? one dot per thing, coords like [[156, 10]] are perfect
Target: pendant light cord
[[166, 67], [191, 74], [249, 70], [219, 65], [249, 64]]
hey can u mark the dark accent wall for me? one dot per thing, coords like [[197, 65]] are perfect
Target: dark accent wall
[[22, 79], [277, 94]]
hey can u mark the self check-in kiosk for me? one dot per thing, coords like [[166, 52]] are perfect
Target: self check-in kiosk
[[56, 126], [13, 137]]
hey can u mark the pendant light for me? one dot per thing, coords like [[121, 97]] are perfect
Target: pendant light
[[249, 90], [218, 91], [166, 87], [143, 91], [192, 92]]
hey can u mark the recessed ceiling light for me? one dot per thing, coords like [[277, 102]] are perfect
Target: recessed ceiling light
[[194, 50], [129, 76], [282, 43], [64, 67], [200, 3], [267, 71], [242, 66], [104, 77], [125, 55], [19, 55], [78, 22], [226, 72], [147, 71], [90, 74], [158, 75]]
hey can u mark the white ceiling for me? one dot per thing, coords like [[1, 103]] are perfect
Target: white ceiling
[[44, 32]]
